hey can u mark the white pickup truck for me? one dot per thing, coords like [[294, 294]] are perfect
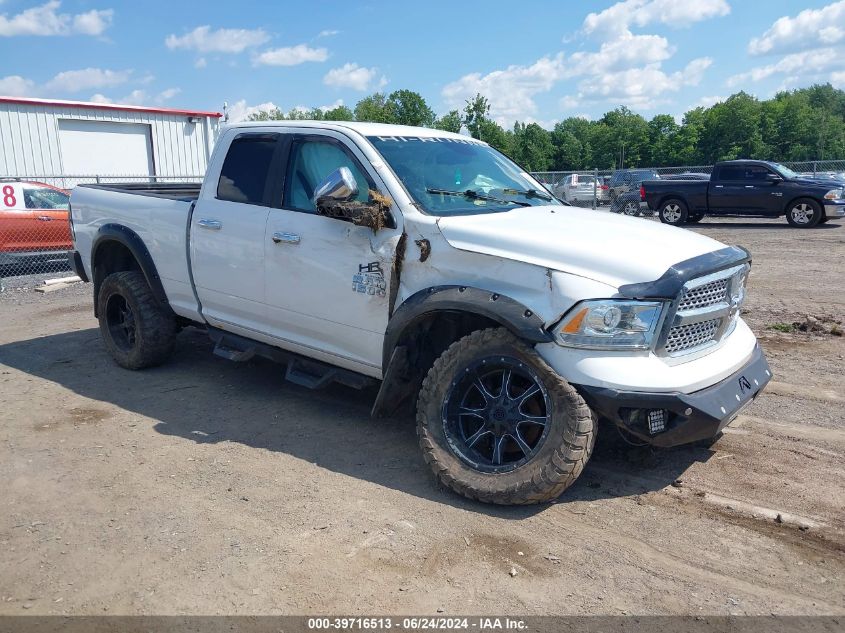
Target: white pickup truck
[[430, 263]]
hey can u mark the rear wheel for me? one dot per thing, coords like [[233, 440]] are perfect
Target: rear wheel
[[631, 208], [137, 331], [673, 212], [497, 424], [804, 213]]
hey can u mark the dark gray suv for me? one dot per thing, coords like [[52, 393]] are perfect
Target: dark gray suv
[[624, 189]]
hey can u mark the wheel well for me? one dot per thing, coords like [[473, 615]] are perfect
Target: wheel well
[[669, 197], [789, 204], [421, 342], [110, 257]]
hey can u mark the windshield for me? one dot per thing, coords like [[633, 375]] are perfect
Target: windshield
[[786, 171], [450, 176]]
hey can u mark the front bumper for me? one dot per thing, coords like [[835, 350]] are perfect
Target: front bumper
[[835, 210], [689, 417]]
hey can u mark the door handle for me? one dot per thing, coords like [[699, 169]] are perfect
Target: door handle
[[719, 186], [285, 238], [749, 186], [214, 225], [45, 218]]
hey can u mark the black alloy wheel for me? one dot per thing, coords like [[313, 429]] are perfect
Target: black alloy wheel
[[496, 414]]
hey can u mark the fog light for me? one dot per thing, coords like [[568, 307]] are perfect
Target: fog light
[[656, 421]]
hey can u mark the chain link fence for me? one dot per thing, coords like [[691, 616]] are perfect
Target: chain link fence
[[596, 188], [35, 232]]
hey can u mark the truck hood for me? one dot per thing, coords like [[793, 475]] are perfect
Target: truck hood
[[606, 247]]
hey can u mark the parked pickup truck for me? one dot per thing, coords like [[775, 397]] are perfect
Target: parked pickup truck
[[747, 187], [429, 264]]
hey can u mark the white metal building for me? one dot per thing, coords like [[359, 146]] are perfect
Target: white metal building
[[45, 137]]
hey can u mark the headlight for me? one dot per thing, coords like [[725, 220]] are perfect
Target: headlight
[[833, 194], [610, 324]]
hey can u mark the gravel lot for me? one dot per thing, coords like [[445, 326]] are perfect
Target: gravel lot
[[211, 487]]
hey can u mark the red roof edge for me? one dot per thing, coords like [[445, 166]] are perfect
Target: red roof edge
[[108, 106]]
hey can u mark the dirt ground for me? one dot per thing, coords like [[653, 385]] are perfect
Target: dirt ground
[[210, 487]]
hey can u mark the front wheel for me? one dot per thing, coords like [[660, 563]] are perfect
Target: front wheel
[[497, 424], [673, 212], [804, 213]]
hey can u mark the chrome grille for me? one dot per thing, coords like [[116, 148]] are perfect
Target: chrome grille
[[684, 337], [707, 309], [703, 296]]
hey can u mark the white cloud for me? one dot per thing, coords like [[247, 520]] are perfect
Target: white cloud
[[511, 91], [240, 111], [809, 29], [93, 22], [139, 97], [328, 33], [16, 86], [707, 101], [637, 88], [200, 63], [44, 20], [355, 77], [167, 94], [627, 51], [336, 104], [838, 79], [290, 56], [808, 64], [626, 68], [204, 40], [618, 18], [86, 79]]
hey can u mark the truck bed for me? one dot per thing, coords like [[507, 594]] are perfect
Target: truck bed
[[184, 191], [156, 214]]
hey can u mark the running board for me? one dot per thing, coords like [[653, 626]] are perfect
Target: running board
[[301, 371]]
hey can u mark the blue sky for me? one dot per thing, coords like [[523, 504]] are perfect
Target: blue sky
[[535, 61]]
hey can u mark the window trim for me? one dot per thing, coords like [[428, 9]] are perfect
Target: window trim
[[293, 141], [271, 180]]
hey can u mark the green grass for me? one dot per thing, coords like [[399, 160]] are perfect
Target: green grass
[[782, 327]]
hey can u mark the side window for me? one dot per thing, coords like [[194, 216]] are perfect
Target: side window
[[756, 173], [43, 198], [731, 173], [309, 163], [244, 173]]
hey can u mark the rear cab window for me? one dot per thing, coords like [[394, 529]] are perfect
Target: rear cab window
[[243, 177]]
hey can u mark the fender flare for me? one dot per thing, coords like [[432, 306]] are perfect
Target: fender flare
[[508, 312], [133, 242], [499, 308]]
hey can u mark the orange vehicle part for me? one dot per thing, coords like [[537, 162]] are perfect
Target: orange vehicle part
[[38, 223]]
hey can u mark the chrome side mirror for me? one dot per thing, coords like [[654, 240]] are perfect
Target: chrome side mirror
[[338, 186]]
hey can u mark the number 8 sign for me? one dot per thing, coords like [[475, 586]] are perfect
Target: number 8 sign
[[11, 196]]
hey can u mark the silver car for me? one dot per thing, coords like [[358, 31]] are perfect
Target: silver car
[[579, 189]]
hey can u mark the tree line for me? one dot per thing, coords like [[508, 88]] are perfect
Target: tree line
[[802, 124]]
